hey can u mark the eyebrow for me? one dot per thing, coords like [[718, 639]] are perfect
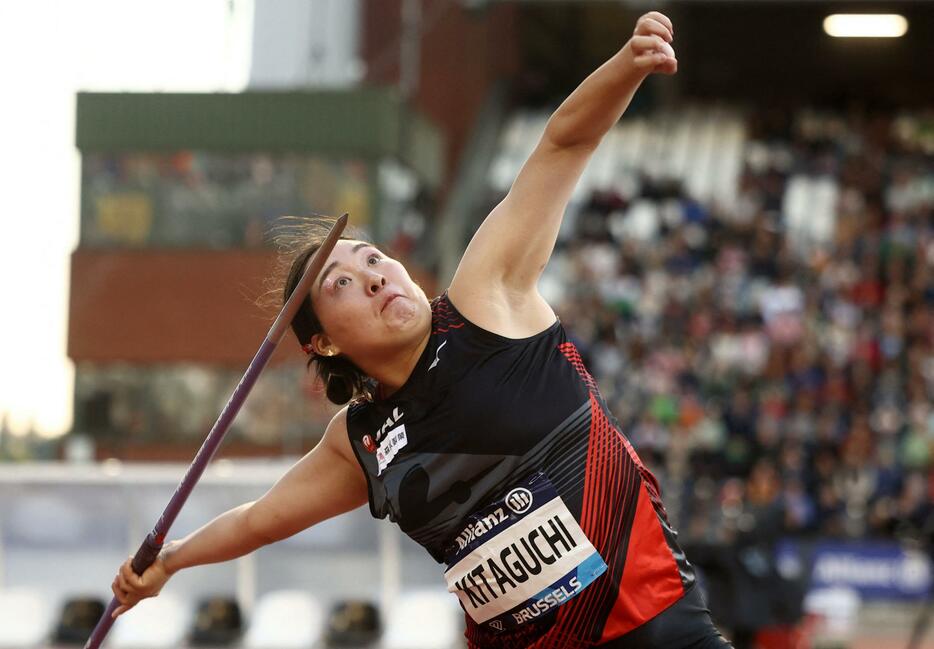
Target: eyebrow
[[330, 267]]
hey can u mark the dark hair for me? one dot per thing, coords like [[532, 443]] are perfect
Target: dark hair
[[299, 239]]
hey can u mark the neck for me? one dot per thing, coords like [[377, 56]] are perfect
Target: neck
[[392, 370]]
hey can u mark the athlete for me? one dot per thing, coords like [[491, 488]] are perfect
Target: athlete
[[474, 425]]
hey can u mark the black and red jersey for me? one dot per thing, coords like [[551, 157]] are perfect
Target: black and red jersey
[[481, 414]]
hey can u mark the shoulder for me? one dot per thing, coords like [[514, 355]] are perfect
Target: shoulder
[[509, 314], [335, 435], [338, 422]]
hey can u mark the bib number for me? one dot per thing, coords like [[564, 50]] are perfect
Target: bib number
[[520, 557]]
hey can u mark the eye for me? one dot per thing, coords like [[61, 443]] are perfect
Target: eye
[[372, 260], [342, 282]]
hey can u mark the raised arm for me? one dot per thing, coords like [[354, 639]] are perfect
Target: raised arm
[[326, 482], [495, 283]]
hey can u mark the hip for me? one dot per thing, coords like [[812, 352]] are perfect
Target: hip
[[686, 624]]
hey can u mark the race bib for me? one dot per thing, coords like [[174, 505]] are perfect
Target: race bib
[[520, 557]]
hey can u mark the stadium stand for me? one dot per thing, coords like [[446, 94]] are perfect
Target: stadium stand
[[79, 615], [159, 623], [285, 620], [424, 620], [352, 624], [218, 623], [25, 618]]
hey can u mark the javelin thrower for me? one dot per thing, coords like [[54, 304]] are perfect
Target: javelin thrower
[[473, 424]]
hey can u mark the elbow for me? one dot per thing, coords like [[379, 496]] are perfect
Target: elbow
[[258, 525], [562, 134]]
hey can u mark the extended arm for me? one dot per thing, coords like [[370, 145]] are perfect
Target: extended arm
[[326, 482], [495, 283]]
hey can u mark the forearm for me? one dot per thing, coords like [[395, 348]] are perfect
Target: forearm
[[597, 104], [226, 537]]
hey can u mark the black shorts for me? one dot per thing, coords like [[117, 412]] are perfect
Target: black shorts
[[685, 624]]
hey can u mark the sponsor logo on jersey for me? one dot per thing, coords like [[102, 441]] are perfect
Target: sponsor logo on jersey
[[389, 439], [521, 557], [481, 527], [519, 500], [437, 356], [390, 422], [389, 447]]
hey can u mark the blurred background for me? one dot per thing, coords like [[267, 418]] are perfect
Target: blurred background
[[747, 266]]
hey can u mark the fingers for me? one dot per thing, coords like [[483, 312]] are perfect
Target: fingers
[[651, 51], [659, 17], [127, 587], [122, 596], [668, 66], [126, 571], [119, 594], [652, 43], [651, 60], [127, 599], [652, 27]]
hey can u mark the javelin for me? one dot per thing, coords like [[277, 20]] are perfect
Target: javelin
[[151, 546]]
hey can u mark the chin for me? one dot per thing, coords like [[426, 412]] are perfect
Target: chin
[[402, 312], [406, 315]]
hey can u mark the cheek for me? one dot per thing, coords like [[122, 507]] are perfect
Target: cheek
[[343, 316], [398, 274]]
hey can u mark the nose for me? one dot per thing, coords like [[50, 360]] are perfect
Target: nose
[[375, 283]]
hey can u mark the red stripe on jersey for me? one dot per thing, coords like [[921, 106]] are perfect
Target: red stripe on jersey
[[648, 579], [605, 480], [443, 317], [651, 582], [651, 483]]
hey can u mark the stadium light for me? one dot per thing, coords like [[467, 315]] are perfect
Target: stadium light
[[866, 25]]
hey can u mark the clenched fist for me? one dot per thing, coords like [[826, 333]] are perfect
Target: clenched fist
[[651, 44], [129, 588]]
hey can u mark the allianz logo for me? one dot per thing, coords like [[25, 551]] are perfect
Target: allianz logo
[[519, 500], [481, 527]]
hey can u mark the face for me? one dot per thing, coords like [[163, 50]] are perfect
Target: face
[[366, 302]]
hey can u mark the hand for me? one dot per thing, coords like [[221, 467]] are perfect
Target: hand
[[129, 588], [650, 44]]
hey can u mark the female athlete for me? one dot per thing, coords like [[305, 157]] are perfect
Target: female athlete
[[474, 425]]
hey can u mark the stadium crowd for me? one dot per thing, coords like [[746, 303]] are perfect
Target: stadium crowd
[[773, 359]]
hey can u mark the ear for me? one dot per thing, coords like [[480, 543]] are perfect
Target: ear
[[324, 346]]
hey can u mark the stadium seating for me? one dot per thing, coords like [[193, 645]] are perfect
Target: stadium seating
[[352, 624], [288, 619], [158, 623], [25, 619], [428, 619], [217, 623], [78, 619], [703, 148]]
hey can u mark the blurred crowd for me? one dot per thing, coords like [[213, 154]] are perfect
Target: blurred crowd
[[772, 359]]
